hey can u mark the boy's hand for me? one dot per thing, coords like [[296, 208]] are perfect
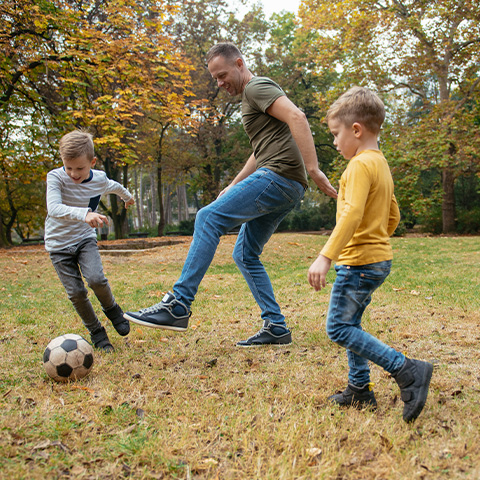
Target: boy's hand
[[129, 202], [317, 273], [96, 219]]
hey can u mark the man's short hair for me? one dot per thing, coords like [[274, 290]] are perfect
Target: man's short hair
[[227, 50], [359, 104], [77, 144]]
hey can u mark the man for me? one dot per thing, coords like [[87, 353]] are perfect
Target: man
[[270, 185]]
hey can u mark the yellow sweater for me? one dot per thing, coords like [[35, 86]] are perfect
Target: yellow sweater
[[367, 212]]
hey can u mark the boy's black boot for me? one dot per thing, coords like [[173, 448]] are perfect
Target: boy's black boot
[[119, 322], [358, 397], [100, 340], [413, 379]]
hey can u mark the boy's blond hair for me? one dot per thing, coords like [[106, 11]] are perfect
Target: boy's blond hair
[[359, 104], [77, 144]]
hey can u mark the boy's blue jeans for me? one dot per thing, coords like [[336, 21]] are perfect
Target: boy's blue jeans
[[259, 202], [351, 294], [70, 263]]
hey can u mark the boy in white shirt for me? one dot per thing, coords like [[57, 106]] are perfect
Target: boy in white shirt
[[73, 195]]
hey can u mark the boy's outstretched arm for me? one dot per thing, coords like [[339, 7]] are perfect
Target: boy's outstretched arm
[[317, 273]]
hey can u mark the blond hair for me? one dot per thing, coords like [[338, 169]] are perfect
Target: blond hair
[[359, 104], [77, 144]]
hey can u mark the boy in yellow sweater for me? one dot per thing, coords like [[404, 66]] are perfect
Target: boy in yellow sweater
[[367, 215]]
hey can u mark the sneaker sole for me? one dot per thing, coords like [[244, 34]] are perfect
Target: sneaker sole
[[155, 325], [256, 345]]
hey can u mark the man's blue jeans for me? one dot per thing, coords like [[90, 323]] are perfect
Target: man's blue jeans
[[351, 294], [259, 202], [70, 263]]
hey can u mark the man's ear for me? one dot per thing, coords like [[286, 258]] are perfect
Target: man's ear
[[239, 62]]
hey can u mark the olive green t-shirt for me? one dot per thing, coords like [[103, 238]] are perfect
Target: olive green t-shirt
[[272, 142]]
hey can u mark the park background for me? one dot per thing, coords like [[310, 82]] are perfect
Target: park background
[[133, 73], [192, 405]]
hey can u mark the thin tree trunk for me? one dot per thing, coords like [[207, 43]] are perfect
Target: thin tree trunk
[[448, 203]]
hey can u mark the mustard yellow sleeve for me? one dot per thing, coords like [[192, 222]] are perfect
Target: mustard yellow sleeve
[[354, 189]]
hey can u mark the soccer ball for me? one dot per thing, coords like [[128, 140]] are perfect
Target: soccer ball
[[68, 357]]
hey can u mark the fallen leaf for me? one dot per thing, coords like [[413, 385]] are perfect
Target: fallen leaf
[[314, 452], [79, 387]]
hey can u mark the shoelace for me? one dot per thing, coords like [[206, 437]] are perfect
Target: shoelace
[[155, 308], [263, 329]]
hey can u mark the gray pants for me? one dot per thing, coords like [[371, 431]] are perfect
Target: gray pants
[[73, 262]]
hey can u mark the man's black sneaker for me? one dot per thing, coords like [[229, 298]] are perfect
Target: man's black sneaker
[[270, 334], [170, 314], [413, 379], [120, 323], [358, 397]]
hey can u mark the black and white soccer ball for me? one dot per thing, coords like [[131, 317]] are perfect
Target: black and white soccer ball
[[68, 357]]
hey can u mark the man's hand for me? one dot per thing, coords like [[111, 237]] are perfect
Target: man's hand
[[129, 202], [317, 273], [225, 190], [324, 185], [96, 219]]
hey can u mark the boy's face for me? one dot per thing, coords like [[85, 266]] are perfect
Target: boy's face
[[78, 169], [345, 138]]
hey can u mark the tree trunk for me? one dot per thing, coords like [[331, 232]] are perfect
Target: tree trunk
[[138, 198], [161, 222], [3, 238], [448, 203], [167, 207], [153, 203]]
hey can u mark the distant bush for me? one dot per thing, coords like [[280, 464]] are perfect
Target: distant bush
[[185, 227], [308, 218], [468, 221]]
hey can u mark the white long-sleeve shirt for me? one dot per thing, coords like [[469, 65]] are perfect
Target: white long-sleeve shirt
[[68, 204]]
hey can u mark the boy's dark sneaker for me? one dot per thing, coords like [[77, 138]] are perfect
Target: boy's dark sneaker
[[100, 340], [358, 397], [170, 314], [270, 334], [414, 380], [119, 322]]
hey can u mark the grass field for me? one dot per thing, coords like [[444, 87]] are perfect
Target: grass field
[[193, 406]]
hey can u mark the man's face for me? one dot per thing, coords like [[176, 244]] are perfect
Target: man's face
[[228, 74], [78, 169]]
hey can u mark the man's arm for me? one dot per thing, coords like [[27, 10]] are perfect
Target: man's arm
[[286, 111]]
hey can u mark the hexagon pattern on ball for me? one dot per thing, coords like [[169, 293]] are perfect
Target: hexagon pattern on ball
[[68, 357]]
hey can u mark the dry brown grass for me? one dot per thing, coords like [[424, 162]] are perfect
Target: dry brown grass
[[193, 406]]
